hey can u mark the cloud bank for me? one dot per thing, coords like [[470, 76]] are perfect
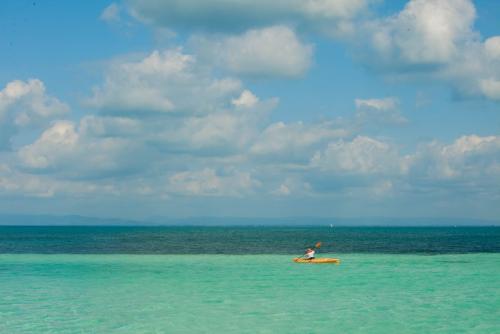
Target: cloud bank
[[186, 122], [214, 138]]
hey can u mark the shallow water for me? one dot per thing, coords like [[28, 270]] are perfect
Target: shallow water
[[366, 293]]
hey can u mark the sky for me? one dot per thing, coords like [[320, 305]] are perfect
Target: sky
[[316, 108]]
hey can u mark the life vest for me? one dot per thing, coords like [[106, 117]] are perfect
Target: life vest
[[309, 254]]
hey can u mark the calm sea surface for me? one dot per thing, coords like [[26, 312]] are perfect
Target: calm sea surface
[[248, 240], [242, 280]]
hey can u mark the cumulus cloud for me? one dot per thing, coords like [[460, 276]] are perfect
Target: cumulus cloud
[[215, 134], [178, 105], [427, 39], [245, 100], [114, 155], [470, 161], [208, 182], [13, 182], [172, 124], [425, 32], [490, 88], [362, 155], [271, 51], [66, 152], [211, 118], [434, 39], [470, 165], [292, 185], [161, 83], [282, 190], [18, 183], [389, 103], [492, 47], [294, 142], [24, 104], [476, 73], [226, 15], [108, 126], [384, 110], [190, 154], [41, 154]]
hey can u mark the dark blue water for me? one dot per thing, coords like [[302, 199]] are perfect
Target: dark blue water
[[248, 240]]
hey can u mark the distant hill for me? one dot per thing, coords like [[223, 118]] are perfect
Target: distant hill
[[301, 221], [76, 220], [55, 220]]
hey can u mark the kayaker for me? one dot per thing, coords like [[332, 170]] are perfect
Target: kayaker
[[309, 254]]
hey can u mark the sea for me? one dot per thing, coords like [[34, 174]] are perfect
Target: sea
[[242, 279]]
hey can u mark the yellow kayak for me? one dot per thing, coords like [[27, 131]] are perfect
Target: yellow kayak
[[321, 260]]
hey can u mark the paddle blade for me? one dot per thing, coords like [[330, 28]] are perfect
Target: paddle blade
[[318, 245]]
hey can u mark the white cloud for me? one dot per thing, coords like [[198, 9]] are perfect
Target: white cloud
[[14, 182], [434, 40], [427, 39], [492, 47], [246, 99], [214, 120], [468, 166], [24, 104], [292, 185], [219, 133], [362, 155], [332, 9], [41, 154], [189, 154], [294, 142], [167, 126], [388, 103], [384, 110], [476, 72], [111, 13], [176, 104], [112, 156], [425, 32], [161, 83], [271, 51], [491, 88], [208, 182], [98, 126], [282, 190], [224, 15], [471, 160], [66, 152]]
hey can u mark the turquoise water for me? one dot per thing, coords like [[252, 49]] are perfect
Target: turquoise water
[[366, 293]]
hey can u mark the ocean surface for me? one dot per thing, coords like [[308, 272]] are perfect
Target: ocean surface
[[242, 280], [247, 240]]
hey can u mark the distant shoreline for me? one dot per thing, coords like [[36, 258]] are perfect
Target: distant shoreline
[[250, 225], [76, 220]]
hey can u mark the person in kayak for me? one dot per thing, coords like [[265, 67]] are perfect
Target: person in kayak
[[309, 254]]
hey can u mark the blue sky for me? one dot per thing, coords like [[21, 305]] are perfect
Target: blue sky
[[246, 108]]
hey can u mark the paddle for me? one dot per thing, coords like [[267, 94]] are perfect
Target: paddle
[[316, 246]]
